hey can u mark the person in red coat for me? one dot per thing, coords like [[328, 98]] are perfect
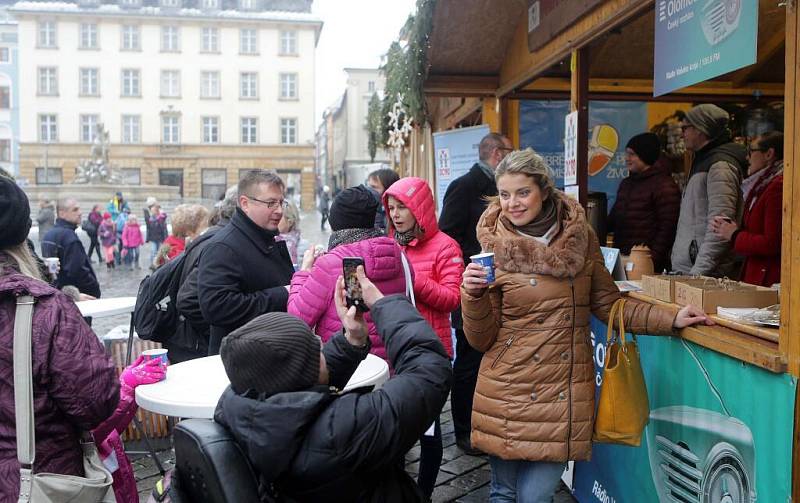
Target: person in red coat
[[758, 239], [648, 202], [438, 264]]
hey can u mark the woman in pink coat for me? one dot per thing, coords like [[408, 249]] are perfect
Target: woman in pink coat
[[438, 264], [352, 219], [131, 241]]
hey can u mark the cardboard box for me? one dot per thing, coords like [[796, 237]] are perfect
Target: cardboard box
[[661, 286], [709, 295]]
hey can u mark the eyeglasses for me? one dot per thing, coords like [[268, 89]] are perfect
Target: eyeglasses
[[684, 127], [272, 203], [750, 150], [506, 149]]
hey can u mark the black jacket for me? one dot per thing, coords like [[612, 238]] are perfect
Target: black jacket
[[318, 446], [243, 273], [462, 207], [62, 242]]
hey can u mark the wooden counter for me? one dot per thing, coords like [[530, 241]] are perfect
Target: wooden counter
[[754, 345]]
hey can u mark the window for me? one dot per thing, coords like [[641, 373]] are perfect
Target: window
[[131, 176], [130, 38], [5, 55], [49, 176], [248, 41], [210, 40], [170, 129], [170, 3], [130, 3], [89, 127], [288, 84], [88, 36], [48, 128], [170, 83], [371, 86], [288, 45], [210, 4], [248, 4], [90, 84], [210, 129], [47, 34], [249, 127], [131, 129], [5, 150], [5, 97], [209, 84], [48, 81], [130, 83], [289, 131], [170, 39], [215, 183], [249, 85]]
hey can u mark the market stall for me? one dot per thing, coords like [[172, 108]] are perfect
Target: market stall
[[724, 399]]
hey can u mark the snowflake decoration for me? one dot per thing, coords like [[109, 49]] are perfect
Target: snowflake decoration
[[400, 124]]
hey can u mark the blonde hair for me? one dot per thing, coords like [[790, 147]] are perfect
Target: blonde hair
[[292, 215], [22, 257], [188, 219], [527, 162]]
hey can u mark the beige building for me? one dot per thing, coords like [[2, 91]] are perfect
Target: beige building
[[191, 92]]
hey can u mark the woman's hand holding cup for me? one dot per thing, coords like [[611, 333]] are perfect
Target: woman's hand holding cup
[[474, 279]]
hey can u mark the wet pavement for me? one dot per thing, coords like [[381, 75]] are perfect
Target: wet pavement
[[462, 477]]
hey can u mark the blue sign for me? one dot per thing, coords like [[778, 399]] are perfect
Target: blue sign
[[698, 40], [455, 152], [611, 125]]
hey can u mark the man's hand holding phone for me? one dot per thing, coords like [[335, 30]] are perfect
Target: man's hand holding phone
[[355, 328]]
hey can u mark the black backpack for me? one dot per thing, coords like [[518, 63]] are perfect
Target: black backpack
[[156, 314]]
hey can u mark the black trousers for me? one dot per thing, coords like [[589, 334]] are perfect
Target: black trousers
[[94, 245], [465, 375], [430, 457]]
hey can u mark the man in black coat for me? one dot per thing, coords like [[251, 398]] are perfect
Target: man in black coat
[[307, 441], [463, 205], [243, 272], [62, 242]]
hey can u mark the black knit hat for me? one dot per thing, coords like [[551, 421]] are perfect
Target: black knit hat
[[647, 146], [709, 119], [15, 214], [274, 353], [353, 208]]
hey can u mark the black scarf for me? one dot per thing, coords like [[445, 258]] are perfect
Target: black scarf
[[347, 236], [403, 238]]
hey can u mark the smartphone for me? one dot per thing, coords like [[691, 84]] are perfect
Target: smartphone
[[353, 294]]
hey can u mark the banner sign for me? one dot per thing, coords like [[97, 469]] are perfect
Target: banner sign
[[455, 152], [720, 430], [571, 148], [611, 125], [699, 40]]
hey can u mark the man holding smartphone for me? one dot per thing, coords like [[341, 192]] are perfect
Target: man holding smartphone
[[307, 441], [243, 272]]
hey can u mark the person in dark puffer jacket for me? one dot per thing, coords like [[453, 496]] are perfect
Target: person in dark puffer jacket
[[310, 443], [75, 385], [648, 202]]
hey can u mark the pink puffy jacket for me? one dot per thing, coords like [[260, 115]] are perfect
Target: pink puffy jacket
[[311, 292], [132, 236], [435, 257]]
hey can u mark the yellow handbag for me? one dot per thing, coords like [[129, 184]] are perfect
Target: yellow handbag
[[623, 410]]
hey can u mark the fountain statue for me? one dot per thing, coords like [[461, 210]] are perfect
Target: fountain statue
[[98, 169]]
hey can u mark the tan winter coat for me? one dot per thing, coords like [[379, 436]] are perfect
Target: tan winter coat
[[535, 394]]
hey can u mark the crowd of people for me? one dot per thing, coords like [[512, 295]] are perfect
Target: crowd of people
[[512, 353]]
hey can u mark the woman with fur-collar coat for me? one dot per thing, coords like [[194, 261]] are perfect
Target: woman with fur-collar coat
[[534, 401]]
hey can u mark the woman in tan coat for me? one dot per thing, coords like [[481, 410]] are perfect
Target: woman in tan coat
[[534, 401]]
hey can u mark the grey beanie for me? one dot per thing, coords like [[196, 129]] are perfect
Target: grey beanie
[[709, 119], [273, 353]]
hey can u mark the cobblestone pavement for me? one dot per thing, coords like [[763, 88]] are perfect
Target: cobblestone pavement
[[461, 478]]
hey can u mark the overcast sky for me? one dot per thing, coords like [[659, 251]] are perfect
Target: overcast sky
[[356, 34]]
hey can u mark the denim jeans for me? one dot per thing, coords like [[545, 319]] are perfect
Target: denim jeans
[[154, 246], [524, 481]]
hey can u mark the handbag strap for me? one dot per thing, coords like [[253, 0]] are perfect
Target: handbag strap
[[616, 310], [23, 381], [409, 280]]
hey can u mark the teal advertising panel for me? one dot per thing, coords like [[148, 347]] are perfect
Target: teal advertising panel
[[455, 152], [720, 431], [611, 125], [696, 40]]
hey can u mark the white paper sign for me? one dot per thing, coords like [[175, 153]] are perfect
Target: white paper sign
[[571, 149]]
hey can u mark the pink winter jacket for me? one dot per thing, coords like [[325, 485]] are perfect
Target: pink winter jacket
[[311, 292], [132, 236], [435, 257]]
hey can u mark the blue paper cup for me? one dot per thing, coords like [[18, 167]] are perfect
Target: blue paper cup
[[485, 260], [156, 354]]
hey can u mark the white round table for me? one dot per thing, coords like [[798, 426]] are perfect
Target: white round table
[[101, 308], [192, 389]]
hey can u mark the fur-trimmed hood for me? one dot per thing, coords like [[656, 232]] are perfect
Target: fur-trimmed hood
[[563, 257]]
